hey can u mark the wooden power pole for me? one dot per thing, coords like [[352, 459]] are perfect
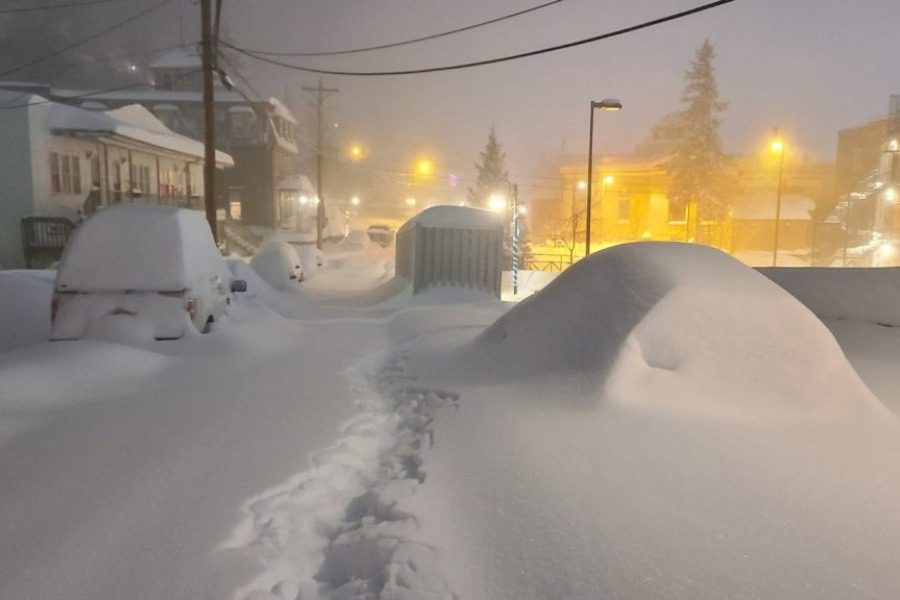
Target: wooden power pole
[[321, 94], [209, 118]]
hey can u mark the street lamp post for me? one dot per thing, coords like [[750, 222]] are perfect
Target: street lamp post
[[778, 148], [609, 105]]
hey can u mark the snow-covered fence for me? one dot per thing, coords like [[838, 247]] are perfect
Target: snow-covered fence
[[859, 294], [451, 246]]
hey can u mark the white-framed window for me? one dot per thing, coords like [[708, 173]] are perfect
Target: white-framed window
[[140, 179], [65, 173]]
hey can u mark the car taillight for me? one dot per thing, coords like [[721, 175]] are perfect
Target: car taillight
[[54, 306], [191, 307]]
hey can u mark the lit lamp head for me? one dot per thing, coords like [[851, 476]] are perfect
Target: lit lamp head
[[410, 201], [609, 180], [607, 105], [424, 167], [497, 202], [356, 152], [355, 200], [581, 185], [777, 146]]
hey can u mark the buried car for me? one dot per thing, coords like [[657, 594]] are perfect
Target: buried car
[[151, 269], [278, 265]]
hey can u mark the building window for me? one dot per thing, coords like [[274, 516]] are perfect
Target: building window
[[65, 173], [677, 210], [624, 208], [140, 179], [55, 182]]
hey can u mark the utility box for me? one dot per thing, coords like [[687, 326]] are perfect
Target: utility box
[[455, 246]]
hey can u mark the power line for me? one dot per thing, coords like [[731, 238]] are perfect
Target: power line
[[24, 9], [85, 40], [414, 40], [490, 61]]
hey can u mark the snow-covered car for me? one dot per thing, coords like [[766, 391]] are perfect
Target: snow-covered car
[[381, 235], [153, 269], [278, 265]]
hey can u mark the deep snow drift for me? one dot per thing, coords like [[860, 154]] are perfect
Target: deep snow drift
[[659, 422], [672, 324]]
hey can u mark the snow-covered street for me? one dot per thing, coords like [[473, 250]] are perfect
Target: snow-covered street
[[348, 440]]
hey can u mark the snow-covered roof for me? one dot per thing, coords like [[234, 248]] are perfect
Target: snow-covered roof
[[279, 109], [794, 207], [180, 58], [455, 217], [131, 122], [149, 95]]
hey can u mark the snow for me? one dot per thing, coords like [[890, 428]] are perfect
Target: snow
[[455, 217], [26, 295], [659, 421], [131, 122], [179, 58], [278, 265], [861, 294], [141, 248], [794, 207]]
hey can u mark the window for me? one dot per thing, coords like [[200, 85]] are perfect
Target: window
[[677, 210], [624, 208], [140, 179], [65, 174], [55, 181]]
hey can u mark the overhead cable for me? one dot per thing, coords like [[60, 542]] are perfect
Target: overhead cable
[[411, 41], [491, 61]]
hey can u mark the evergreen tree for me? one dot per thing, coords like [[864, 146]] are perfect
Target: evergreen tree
[[492, 175], [697, 167]]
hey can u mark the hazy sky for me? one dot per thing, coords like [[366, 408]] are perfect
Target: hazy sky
[[809, 66]]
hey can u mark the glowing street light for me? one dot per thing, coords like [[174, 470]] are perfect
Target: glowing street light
[[497, 203], [410, 201], [581, 185], [355, 200], [778, 148], [424, 167], [356, 152], [605, 105]]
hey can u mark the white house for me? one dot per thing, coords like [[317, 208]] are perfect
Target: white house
[[58, 160]]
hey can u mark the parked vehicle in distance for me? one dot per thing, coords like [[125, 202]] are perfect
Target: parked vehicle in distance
[[151, 268], [278, 265], [381, 235]]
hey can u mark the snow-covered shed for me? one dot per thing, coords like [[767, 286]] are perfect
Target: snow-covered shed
[[451, 246]]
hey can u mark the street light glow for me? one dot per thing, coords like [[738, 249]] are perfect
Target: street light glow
[[581, 185], [777, 146], [890, 194], [609, 180], [410, 201], [355, 200], [356, 152], [497, 202], [304, 200], [523, 209], [424, 167]]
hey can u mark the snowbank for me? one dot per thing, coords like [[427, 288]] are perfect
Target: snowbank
[[24, 307], [278, 265], [681, 323], [858, 294]]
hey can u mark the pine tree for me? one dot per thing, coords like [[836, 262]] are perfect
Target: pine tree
[[697, 166], [492, 175]]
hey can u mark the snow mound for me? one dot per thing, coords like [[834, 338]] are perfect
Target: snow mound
[[278, 264], [25, 301], [672, 324], [455, 217], [834, 293]]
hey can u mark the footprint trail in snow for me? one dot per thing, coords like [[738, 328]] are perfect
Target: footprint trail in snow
[[335, 531]]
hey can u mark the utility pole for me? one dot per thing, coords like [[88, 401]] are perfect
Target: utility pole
[[209, 118], [322, 94]]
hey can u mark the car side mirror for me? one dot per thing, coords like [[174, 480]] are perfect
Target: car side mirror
[[238, 285]]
